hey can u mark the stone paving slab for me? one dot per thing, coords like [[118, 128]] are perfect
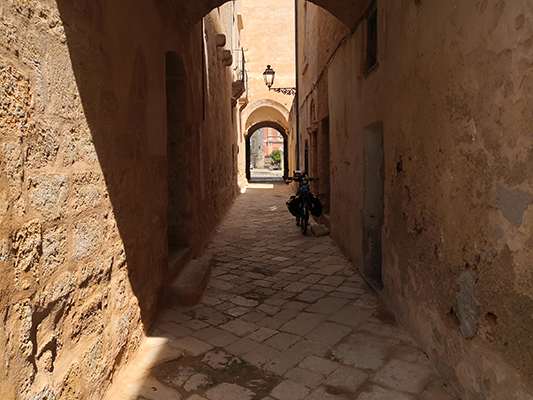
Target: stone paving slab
[[285, 317]]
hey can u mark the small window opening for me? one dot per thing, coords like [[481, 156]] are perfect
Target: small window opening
[[306, 157], [372, 41]]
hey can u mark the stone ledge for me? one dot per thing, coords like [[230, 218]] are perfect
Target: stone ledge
[[318, 229], [191, 283], [177, 260]]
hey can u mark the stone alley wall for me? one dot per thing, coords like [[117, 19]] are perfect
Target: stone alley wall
[[450, 95], [83, 180]]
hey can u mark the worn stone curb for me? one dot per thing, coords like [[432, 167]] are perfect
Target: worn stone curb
[[191, 282], [318, 229]]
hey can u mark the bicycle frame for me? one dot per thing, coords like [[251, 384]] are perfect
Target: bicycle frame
[[302, 219], [304, 212]]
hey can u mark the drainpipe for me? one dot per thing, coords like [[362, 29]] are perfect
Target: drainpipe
[[231, 26], [296, 97]]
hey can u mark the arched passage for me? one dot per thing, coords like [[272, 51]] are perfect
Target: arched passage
[[347, 11], [266, 113], [267, 124], [266, 110]]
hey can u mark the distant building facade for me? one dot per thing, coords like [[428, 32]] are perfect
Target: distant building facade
[[263, 142]]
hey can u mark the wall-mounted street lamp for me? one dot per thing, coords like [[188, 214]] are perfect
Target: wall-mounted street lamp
[[269, 75]]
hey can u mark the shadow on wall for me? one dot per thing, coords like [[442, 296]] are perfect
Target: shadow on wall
[[114, 77]]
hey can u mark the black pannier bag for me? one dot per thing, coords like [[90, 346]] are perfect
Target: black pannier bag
[[315, 207], [293, 204]]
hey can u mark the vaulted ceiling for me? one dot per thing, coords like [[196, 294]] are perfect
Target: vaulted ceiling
[[348, 11]]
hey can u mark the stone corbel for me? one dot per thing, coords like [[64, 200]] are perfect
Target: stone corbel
[[220, 40], [243, 102], [237, 89], [312, 128], [227, 58]]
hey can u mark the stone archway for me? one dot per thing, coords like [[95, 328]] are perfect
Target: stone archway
[[347, 11], [281, 130], [266, 110], [266, 113]]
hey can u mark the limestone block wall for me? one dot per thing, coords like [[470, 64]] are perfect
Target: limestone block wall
[[83, 182], [451, 98]]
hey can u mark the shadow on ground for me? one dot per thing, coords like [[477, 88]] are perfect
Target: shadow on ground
[[285, 317]]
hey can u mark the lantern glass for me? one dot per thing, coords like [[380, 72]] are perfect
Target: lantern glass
[[268, 75]]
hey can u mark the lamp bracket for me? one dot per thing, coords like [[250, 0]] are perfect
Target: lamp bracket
[[285, 90]]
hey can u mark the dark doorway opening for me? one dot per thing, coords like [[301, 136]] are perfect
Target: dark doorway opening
[[372, 41], [314, 161], [374, 204], [306, 157], [253, 153], [178, 208], [323, 165]]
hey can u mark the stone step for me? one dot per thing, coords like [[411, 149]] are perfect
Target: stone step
[[191, 283], [318, 229], [177, 259], [325, 220]]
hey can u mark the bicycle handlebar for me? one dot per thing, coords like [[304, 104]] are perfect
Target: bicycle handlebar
[[298, 178]]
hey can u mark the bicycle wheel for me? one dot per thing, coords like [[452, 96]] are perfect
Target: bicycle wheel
[[304, 221], [297, 220]]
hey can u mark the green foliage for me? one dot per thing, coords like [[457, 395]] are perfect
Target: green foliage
[[275, 157]]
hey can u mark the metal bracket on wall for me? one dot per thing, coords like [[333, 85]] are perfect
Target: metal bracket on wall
[[283, 90]]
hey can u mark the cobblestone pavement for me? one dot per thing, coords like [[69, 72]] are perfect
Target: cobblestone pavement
[[285, 317]]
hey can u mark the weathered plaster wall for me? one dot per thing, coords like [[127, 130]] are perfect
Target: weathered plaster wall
[[228, 20], [268, 39], [292, 150], [219, 134], [320, 35], [454, 98], [83, 193], [241, 149]]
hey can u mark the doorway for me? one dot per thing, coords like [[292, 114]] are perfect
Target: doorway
[[178, 212], [306, 156], [374, 204], [323, 166]]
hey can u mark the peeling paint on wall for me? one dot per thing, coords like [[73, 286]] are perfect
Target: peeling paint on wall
[[513, 203], [466, 303]]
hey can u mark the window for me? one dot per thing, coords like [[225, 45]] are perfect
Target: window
[[371, 41], [306, 155]]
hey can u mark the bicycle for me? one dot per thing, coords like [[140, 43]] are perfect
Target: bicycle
[[304, 202]]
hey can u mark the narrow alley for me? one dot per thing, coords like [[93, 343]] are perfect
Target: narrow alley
[[285, 317], [133, 138]]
